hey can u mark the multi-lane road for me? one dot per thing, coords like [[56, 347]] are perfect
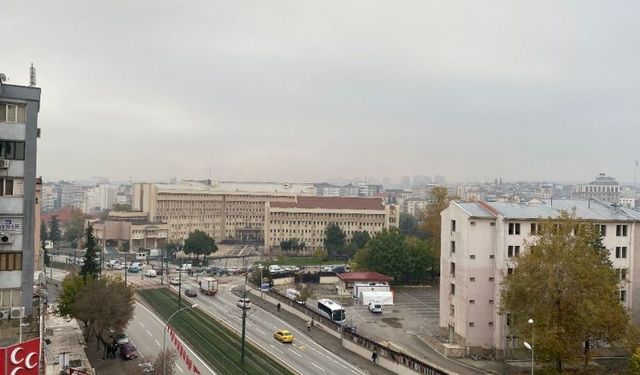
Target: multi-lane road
[[304, 355]]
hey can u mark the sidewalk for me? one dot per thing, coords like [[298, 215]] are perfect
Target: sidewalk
[[328, 341]]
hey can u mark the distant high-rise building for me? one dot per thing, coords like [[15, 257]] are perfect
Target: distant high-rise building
[[603, 188], [439, 180], [421, 180], [405, 182], [19, 107]]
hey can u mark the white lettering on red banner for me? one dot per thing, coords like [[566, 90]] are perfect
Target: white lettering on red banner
[[182, 352]]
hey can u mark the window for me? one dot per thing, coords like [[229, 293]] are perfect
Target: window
[[452, 269], [453, 289], [11, 186], [491, 278], [472, 324], [534, 228], [509, 271], [514, 228], [623, 274], [621, 230], [453, 247], [621, 252], [472, 223], [453, 225], [12, 150], [603, 230], [14, 113], [492, 224], [10, 261], [491, 256], [513, 251], [490, 324], [472, 301], [623, 295], [508, 319], [472, 256], [472, 279], [452, 310], [491, 302], [510, 251]]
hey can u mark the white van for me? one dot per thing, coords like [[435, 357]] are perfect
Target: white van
[[375, 307], [274, 268], [150, 273]]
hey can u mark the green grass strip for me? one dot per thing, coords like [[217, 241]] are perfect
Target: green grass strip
[[215, 343]]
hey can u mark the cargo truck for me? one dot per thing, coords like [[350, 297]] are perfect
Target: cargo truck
[[209, 286]]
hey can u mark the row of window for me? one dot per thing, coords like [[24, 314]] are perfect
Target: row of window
[[13, 113], [11, 186], [10, 261], [514, 229], [11, 150]]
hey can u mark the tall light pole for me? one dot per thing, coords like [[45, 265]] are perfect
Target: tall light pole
[[531, 347], [164, 336]]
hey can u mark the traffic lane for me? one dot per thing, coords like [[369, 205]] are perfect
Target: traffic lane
[[304, 353], [146, 331], [261, 335]]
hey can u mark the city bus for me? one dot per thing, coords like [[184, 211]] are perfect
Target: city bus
[[331, 310]]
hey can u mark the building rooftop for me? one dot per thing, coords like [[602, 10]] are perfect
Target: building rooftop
[[332, 203], [541, 209], [237, 187], [364, 276]]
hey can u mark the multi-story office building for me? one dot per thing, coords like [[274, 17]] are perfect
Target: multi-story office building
[[19, 107], [603, 188], [131, 228], [101, 197], [224, 210], [479, 242], [306, 219], [49, 198], [71, 195]]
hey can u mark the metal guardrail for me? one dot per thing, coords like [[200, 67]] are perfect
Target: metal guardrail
[[406, 360]]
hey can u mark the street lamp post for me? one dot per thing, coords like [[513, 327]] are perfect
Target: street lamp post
[[532, 346], [164, 336]]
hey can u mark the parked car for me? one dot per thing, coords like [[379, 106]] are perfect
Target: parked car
[[339, 269], [159, 271], [150, 273], [128, 351], [133, 269], [122, 338], [244, 303], [283, 336], [190, 293], [174, 281], [375, 307]]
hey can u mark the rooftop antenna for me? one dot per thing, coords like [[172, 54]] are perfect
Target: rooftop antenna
[[32, 76]]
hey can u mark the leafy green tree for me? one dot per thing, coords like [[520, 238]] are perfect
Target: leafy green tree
[[634, 362], [567, 285], [44, 235], [408, 224], [359, 239], [71, 285], [54, 229], [387, 252], [335, 240], [199, 243], [292, 244], [90, 267], [431, 225], [74, 228], [424, 262]]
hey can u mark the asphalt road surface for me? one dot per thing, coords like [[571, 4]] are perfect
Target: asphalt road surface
[[304, 355]]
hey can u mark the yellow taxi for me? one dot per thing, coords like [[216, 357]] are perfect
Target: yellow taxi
[[283, 336]]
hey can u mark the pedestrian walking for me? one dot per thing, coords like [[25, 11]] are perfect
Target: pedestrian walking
[[374, 358], [309, 326], [278, 306]]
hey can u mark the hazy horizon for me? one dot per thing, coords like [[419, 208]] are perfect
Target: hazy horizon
[[299, 91]]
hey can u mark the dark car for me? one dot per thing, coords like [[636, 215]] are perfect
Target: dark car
[[190, 293], [159, 271], [128, 351]]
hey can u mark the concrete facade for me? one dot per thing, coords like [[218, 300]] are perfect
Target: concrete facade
[[133, 228], [479, 241], [604, 188], [19, 107]]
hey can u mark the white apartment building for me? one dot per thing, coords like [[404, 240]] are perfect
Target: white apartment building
[[101, 197], [414, 206], [306, 219], [480, 238], [604, 188]]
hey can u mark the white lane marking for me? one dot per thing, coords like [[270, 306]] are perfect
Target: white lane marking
[[317, 366], [141, 325], [276, 348], [149, 333], [182, 341], [259, 330], [158, 342], [295, 352], [179, 368]]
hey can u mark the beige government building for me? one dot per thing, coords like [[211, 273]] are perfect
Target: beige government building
[[306, 218]]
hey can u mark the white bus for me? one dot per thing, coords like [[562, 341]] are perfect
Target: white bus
[[331, 310]]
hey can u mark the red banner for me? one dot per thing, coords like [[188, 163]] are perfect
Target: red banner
[[3, 360], [22, 358], [182, 353]]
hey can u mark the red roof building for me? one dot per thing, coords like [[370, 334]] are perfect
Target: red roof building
[[347, 280]]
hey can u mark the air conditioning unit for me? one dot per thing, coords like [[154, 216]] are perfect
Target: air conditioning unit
[[4, 164], [6, 238], [4, 314], [17, 312]]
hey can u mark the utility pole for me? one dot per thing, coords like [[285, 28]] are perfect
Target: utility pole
[[244, 322], [125, 269], [179, 284]]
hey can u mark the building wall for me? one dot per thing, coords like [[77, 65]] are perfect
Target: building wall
[[309, 225]]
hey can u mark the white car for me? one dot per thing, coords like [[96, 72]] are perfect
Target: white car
[[150, 273], [244, 303], [174, 281]]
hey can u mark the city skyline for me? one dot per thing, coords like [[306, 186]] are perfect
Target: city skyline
[[301, 91]]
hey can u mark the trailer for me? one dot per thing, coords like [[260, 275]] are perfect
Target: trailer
[[209, 286]]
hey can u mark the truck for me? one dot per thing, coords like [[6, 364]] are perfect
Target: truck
[[209, 286]]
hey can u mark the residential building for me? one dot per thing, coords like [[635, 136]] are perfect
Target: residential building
[[101, 197], [414, 206], [479, 241], [49, 198], [628, 197], [604, 188], [306, 219], [71, 195], [227, 211], [327, 190], [19, 107]]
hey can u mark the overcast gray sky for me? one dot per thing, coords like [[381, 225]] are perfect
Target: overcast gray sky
[[308, 90]]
